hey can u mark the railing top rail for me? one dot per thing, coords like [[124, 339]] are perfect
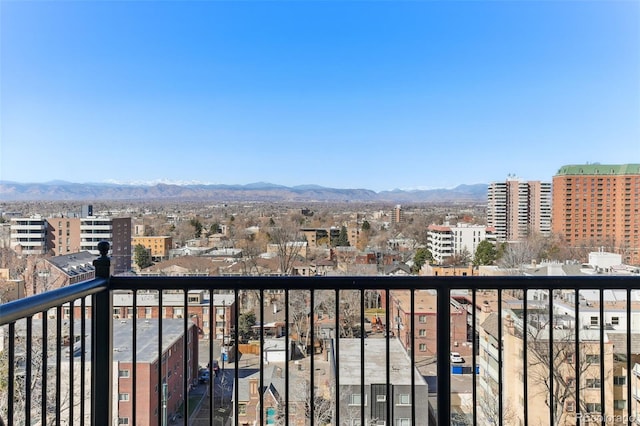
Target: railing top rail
[[23, 308], [375, 282]]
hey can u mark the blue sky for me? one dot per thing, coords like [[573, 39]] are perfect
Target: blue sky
[[377, 95]]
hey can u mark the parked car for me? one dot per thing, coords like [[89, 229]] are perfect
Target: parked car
[[204, 376], [456, 358]]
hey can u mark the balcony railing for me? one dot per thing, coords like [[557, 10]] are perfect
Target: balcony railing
[[63, 360]]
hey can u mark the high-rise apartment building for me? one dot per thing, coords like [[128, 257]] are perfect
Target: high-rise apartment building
[[517, 209], [398, 214], [598, 205]]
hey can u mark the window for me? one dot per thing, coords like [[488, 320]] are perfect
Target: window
[[571, 406], [404, 399], [615, 320], [242, 409], [594, 320], [123, 374], [403, 422], [123, 420], [592, 359], [422, 319], [355, 399], [593, 383], [422, 347], [422, 332], [570, 357], [619, 404], [147, 312], [593, 407], [619, 380], [381, 398], [123, 397]]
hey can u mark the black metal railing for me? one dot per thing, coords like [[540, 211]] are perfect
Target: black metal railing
[[346, 394]]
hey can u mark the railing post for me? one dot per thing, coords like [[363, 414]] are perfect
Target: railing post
[[102, 344], [443, 355]]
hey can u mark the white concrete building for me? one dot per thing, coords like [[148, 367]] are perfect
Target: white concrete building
[[445, 241], [29, 235]]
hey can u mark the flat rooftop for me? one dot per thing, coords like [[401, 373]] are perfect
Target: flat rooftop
[[375, 363]]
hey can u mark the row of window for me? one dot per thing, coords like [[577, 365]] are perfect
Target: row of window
[[356, 399]]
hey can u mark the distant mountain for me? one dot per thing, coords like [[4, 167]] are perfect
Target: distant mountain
[[261, 191]]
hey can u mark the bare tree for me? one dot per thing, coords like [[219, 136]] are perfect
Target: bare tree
[[350, 313], [552, 365], [36, 383], [289, 242]]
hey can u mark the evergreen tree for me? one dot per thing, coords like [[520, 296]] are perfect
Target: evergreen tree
[[422, 256], [141, 256], [343, 238], [245, 323], [485, 254], [197, 226]]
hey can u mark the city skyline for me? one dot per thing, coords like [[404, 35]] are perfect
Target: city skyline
[[376, 95]]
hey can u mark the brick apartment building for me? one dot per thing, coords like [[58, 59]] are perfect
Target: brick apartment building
[[158, 247], [198, 310], [425, 321], [599, 205], [148, 359]]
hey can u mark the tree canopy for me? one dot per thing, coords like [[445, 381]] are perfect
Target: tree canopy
[[141, 256], [245, 323], [197, 227], [485, 254], [343, 238], [422, 256]]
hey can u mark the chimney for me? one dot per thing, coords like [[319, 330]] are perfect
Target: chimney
[[253, 388]]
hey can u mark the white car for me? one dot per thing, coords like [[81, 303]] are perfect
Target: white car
[[456, 358]]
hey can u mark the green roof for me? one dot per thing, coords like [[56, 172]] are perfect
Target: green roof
[[599, 169]]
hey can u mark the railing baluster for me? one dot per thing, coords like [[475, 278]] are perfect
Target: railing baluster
[[628, 325], [83, 360], [58, 364], [261, 357], [552, 395], [363, 394], [287, 354], [412, 344], [474, 384], [500, 360], [134, 359], [576, 357], [442, 351], [162, 388], [72, 339], [44, 371], [185, 359], [28, 376], [11, 373], [387, 357], [525, 350], [603, 408]]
